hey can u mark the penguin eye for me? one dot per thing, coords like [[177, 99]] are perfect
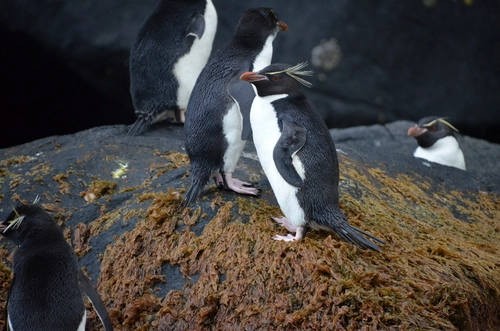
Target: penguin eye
[[276, 78], [432, 128]]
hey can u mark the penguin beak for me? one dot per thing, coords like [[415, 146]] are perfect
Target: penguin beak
[[252, 77], [416, 131], [283, 26]]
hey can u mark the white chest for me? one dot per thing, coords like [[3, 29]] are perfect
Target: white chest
[[265, 56], [266, 134], [232, 125], [188, 68], [445, 151]]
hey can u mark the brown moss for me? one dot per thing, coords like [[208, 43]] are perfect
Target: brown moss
[[5, 280], [436, 271], [176, 160], [97, 189], [64, 187], [104, 222]]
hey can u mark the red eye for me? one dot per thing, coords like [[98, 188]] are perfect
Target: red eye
[[432, 128], [276, 78]]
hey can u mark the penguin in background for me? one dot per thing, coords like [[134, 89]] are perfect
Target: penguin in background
[[217, 118], [437, 142], [172, 47], [48, 286], [298, 155]]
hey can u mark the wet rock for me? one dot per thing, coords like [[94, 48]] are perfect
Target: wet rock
[[215, 265]]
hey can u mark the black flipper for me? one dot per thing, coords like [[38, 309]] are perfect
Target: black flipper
[[196, 27], [243, 94], [91, 293], [293, 137]]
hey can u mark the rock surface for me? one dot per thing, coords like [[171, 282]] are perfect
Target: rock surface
[[374, 62], [216, 267]]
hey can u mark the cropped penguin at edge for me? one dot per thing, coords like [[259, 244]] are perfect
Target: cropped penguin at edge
[[298, 155], [217, 118], [437, 142], [172, 47], [48, 286]]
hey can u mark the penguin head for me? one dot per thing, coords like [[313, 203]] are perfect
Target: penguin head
[[259, 23], [278, 78], [29, 221], [430, 129]]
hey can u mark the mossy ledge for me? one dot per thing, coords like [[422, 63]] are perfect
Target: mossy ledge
[[215, 266]]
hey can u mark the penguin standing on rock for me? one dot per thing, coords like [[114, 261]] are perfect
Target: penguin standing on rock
[[437, 142], [46, 292], [217, 118], [298, 155], [171, 49]]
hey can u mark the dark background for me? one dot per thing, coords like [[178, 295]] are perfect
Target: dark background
[[64, 65]]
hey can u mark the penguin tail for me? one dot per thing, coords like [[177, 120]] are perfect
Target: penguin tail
[[358, 237], [337, 222], [139, 126], [192, 194]]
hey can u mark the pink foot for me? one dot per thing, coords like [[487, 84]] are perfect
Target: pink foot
[[283, 221], [300, 231], [238, 186], [288, 238], [219, 181]]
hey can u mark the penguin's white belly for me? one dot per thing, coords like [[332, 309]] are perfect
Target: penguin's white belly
[[263, 59], [82, 323], [265, 136], [188, 68], [445, 151], [232, 126]]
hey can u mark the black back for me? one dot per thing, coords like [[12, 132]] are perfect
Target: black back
[[161, 41], [210, 100], [45, 291], [435, 131]]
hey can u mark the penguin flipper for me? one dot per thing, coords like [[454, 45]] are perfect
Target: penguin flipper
[[243, 94], [196, 27], [91, 293], [293, 137]]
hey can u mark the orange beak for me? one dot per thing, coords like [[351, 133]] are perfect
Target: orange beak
[[415, 131], [283, 26], [250, 76]]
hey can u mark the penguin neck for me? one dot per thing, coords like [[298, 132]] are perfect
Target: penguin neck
[[273, 97], [37, 236], [445, 151]]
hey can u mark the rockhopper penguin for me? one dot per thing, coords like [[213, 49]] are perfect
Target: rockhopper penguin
[[46, 292], [437, 142], [217, 118], [298, 155], [171, 49]]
